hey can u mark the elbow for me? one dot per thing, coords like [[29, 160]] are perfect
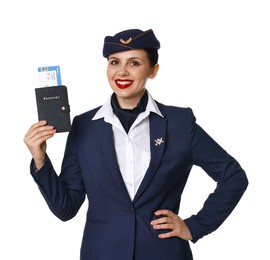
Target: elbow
[[243, 181], [64, 218], [63, 215]]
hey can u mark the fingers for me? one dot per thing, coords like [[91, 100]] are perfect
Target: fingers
[[168, 221], [35, 140], [173, 222], [38, 133], [168, 218], [165, 212]]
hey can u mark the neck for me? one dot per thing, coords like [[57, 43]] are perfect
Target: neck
[[126, 103]]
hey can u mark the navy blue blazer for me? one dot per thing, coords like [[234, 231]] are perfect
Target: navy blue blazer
[[119, 229]]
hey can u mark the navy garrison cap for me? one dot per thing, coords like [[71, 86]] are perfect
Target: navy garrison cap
[[130, 40]]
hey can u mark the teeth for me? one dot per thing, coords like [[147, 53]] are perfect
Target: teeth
[[123, 82]]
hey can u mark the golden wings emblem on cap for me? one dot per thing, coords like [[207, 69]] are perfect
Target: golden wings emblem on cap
[[127, 41]]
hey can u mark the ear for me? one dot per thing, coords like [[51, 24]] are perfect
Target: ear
[[154, 71]]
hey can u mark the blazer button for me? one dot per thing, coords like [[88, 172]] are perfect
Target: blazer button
[[131, 210]]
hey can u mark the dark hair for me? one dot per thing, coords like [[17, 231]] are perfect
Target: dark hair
[[152, 54]]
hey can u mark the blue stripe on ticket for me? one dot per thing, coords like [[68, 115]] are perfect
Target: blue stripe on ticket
[[49, 76]]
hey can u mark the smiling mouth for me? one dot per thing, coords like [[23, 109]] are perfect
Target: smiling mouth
[[122, 84]]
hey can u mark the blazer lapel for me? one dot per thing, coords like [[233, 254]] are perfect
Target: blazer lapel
[[105, 134], [157, 145]]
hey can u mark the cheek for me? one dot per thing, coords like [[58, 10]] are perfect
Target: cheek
[[111, 73], [145, 74], [110, 78], [144, 77], [108, 72]]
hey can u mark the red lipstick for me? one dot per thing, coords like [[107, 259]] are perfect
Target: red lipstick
[[123, 84]]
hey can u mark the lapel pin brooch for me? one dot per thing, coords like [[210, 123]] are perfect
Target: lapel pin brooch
[[159, 141]]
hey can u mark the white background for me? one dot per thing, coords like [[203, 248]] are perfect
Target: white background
[[215, 58]]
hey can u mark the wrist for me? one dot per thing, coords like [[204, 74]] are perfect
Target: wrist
[[38, 164]]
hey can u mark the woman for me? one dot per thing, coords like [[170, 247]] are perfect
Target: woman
[[132, 157]]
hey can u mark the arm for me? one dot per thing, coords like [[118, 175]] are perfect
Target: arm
[[225, 171], [64, 195], [231, 184]]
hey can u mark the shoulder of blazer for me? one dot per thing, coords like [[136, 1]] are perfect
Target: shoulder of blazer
[[85, 119], [168, 110], [87, 115]]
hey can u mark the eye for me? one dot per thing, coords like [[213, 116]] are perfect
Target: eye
[[134, 63], [113, 62]]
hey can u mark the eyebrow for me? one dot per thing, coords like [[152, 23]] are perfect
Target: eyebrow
[[131, 58]]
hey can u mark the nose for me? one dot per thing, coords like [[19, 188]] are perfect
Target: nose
[[123, 71]]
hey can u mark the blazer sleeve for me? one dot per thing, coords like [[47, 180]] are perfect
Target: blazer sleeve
[[65, 193], [231, 181]]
